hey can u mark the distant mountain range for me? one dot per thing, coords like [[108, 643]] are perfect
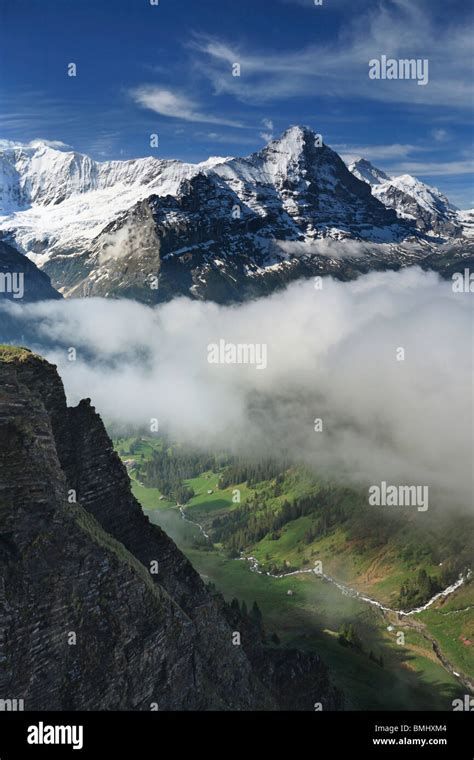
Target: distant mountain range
[[421, 204], [225, 229]]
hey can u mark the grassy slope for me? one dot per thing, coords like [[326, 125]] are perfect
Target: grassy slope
[[310, 619], [411, 677], [204, 505], [452, 623], [377, 572], [14, 353]]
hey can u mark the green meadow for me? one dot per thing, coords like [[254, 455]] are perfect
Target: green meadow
[[307, 611]]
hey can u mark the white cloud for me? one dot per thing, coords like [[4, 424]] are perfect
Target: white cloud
[[389, 155], [333, 5], [440, 135], [227, 138], [375, 152], [328, 247], [398, 29], [436, 168], [331, 354], [268, 135], [175, 105]]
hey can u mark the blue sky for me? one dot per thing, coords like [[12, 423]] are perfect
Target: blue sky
[[167, 69]]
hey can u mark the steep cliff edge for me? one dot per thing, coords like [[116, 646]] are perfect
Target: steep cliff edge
[[85, 623]]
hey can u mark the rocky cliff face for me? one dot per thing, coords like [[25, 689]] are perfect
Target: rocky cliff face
[[33, 284], [20, 282], [85, 623]]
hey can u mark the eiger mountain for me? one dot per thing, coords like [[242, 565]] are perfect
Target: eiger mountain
[[225, 229]]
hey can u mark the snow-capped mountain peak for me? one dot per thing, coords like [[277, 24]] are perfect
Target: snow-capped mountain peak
[[291, 143], [367, 172], [104, 227], [431, 198], [60, 200], [295, 161], [291, 155], [42, 175], [411, 198]]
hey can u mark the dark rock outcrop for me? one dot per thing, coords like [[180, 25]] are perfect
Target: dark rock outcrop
[[35, 284], [85, 622]]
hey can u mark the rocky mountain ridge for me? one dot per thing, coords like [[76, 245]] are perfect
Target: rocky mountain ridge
[[85, 621], [227, 229], [424, 206]]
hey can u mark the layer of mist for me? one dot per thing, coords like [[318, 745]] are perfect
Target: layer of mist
[[332, 354]]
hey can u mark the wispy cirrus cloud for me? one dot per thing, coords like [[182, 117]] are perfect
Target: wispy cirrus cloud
[[391, 158], [437, 169], [440, 135], [376, 152], [269, 127], [398, 29], [310, 4], [236, 138], [177, 105]]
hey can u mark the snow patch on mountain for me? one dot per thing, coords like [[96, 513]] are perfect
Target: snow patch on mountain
[[429, 198], [367, 172], [53, 200], [411, 198], [46, 176], [466, 219]]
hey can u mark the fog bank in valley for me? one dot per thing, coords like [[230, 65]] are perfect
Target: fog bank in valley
[[331, 354]]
